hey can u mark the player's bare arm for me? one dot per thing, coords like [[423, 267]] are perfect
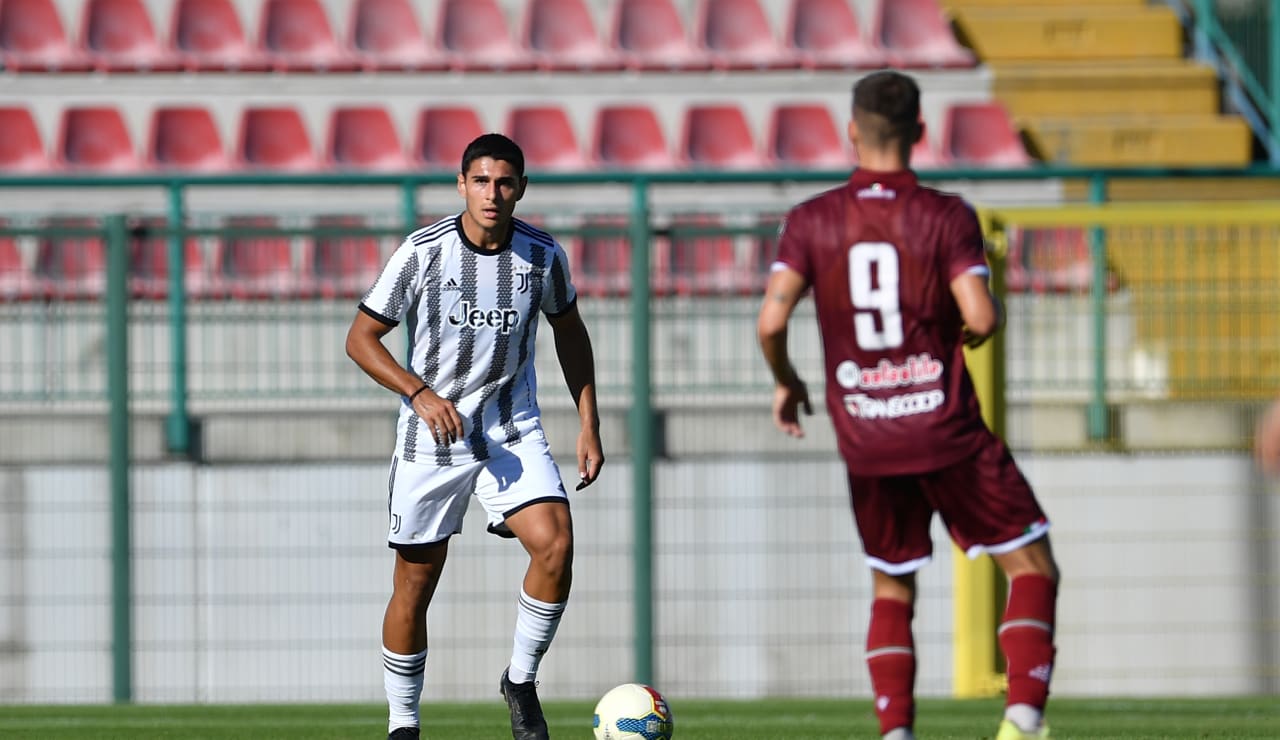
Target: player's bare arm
[[982, 313], [577, 362], [782, 293], [365, 348], [1267, 440]]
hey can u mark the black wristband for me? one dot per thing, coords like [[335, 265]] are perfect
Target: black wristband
[[415, 393]]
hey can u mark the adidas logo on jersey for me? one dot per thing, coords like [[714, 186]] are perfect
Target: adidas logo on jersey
[[452, 284], [502, 319]]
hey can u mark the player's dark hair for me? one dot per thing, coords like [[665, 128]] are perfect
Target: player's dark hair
[[886, 105], [494, 146]]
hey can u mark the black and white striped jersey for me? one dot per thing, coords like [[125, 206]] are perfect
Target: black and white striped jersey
[[473, 315]]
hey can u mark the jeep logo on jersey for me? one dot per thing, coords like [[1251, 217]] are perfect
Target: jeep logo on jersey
[[502, 319]]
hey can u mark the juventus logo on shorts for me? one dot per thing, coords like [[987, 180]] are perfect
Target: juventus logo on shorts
[[395, 524]]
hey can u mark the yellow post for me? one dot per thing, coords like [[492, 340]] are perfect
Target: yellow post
[[976, 593]]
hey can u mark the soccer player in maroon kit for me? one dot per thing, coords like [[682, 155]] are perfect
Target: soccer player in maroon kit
[[899, 278]]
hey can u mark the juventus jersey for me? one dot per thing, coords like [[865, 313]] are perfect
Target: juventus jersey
[[473, 316]]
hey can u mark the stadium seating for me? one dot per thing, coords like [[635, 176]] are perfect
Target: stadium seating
[[442, 133], [96, 139], [561, 35], [274, 138], [33, 39], [718, 136], [982, 134], [16, 281], [207, 36], [364, 138], [651, 35], [21, 148], [387, 37], [705, 264], [477, 37], [805, 135], [119, 36], [72, 267], [547, 137], [826, 34], [296, 35], [149, 264], [1063, 32], [183, 138], [738, 36], [258, 266], [925, 155], [345, 265], [916, 34], [630, 137], [601, 263]]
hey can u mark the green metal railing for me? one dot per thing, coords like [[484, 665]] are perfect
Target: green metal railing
[[638, 317], [1247, 38]]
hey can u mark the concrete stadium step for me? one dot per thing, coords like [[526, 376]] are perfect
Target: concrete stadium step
[[1174, 141], [1063, 33], [1174, 86], [954, 5]]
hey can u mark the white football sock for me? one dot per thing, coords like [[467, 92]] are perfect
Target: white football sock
[[899, 733], [1025, 716], [402, 679], [536, 623]]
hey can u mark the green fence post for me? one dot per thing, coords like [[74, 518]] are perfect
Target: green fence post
[[177, 425], [1273, 78], [641, 427], [118, 397], [1098, 415]]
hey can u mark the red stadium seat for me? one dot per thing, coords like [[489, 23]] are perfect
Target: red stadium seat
[[296, 35], [477, 37], [17, 283], [95, 139], [603, 265], [561, 35], [925, 156], [706, 264], [982, 134], [916, 34], [364, 138], [719, 136], [33, 39], [73, 267], [345, 266], [208, 36], [386, 35], [442, 134], [21, 148], [827, 35], [805, 135], [185, 139], [737, 34], [149, 264], [546, 135], [630, 137], [276, 139], [259, 265], [650, 35], [119, 36]]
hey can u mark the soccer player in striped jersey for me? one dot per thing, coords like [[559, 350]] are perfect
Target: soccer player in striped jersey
[[899, 279], [473, 287]]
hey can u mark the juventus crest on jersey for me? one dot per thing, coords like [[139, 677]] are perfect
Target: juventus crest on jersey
[[473, 316]]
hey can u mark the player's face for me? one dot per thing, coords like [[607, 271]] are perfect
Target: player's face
[[491, 188]]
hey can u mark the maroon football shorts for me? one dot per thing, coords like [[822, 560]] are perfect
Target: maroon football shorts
[[984, 501]]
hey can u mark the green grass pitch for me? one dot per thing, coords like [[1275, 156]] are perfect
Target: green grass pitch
[[772, 719]]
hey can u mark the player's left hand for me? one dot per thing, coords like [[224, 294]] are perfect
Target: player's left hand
[[1266, 442], [788, 399], [590, 457]]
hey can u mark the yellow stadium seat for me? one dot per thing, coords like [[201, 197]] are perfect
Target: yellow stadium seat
[[1069, 32], [1104, 88], [1174, 141]]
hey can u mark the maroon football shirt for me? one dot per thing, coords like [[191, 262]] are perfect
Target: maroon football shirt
[[880, 253]]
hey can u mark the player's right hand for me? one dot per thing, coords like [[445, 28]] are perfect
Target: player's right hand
[[787, 401], [440, 416]]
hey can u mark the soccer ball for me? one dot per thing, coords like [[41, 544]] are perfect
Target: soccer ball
[[633, 711]]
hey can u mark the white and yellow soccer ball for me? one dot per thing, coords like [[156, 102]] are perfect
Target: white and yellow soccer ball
[[633, 711]]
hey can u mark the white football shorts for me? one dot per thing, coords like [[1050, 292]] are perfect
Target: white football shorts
[[427, 503]]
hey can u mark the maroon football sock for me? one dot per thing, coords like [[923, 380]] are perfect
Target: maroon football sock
[[891, 659], [1026, 637]]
